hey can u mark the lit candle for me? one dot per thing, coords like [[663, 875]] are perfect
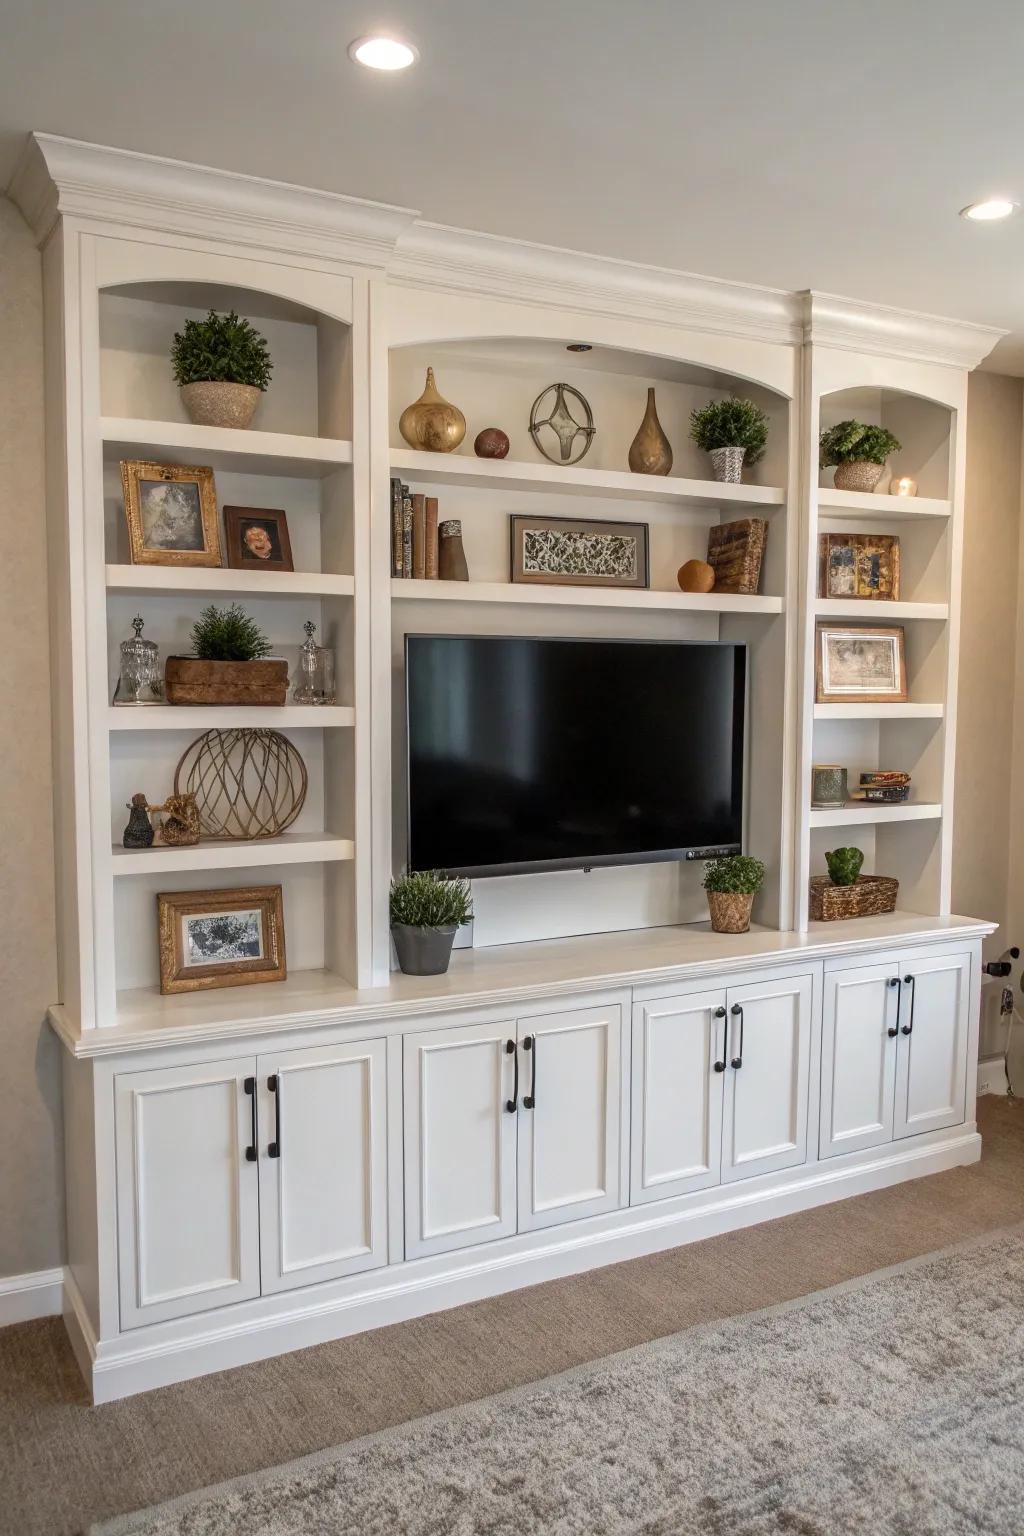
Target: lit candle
[[902, 485]]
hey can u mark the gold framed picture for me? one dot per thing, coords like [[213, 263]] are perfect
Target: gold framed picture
[[859, 565], [860, 664], [221, 938], [172, 513]]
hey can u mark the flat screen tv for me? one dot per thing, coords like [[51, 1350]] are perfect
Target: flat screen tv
[[529, 754]]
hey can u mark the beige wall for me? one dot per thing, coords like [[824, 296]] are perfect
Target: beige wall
[[31, 1186]]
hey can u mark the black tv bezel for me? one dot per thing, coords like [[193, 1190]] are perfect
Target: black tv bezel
[[602, 861]]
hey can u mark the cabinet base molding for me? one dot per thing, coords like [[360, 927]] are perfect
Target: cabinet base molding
[[26, 1297], [162, 1354]]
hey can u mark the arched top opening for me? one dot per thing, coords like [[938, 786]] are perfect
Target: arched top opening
[[923, 427]]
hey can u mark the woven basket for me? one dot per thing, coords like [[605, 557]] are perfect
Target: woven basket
[[730, 911], [870, 896], [735, 552]]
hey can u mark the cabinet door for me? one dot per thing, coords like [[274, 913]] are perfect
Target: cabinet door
[[187, 1192], [460, 1137], [570, 1121], [858, 1058], [931, 1062], [677, 1095], [323, 1163], [766, 1093]]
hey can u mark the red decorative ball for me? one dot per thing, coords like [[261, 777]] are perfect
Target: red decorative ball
[[491, 443]]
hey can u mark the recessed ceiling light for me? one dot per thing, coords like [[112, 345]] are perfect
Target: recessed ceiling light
[[383, 53], [990, 208], [579, 346]]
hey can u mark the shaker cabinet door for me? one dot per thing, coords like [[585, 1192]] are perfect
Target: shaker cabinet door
[[931, 1063], [677, 1095], [858, 1058], [766, 1093]]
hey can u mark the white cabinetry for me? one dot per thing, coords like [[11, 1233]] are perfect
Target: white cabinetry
[[768, 1061], [931, 1063]]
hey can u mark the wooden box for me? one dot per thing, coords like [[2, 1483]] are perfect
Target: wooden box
[[735, 553], [189, 680]]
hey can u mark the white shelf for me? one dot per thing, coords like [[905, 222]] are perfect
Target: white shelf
[[224, 448], [857, 504], [877, 612], [867, 813], [210, 717], [492, 474], [878, 711], [403, 590], [289, 848], [185, 580]]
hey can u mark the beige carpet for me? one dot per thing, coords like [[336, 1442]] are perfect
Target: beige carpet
[[64, 1464]]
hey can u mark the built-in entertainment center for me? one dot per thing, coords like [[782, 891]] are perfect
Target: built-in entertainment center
[[598, 1075]]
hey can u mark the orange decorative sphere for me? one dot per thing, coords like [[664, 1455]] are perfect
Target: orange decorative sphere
[[695, 576]]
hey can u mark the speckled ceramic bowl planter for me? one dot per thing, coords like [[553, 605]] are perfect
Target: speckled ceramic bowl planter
[[212, 403]]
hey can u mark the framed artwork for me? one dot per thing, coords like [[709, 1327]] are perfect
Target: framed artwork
[[172, 514], [860, 664], [859, 565], [220, 938], [578, 552], [257, 539]]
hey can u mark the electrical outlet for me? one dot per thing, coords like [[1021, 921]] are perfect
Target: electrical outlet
[[1006, 1002]]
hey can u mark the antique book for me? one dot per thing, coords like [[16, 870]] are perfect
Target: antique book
[[419, 536], [430, 539]]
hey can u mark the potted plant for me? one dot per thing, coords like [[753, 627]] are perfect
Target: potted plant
[[732, 883], [229, 663], [222, 367], [859, 451], [426, 909], [733, 432]]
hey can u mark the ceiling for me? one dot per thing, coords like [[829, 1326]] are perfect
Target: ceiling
[[792, 143]]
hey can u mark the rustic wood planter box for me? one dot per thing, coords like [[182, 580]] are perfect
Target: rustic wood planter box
[[870, 896], [188, 680]]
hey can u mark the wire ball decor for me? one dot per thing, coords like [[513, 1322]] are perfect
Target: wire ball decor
[[247, 783]]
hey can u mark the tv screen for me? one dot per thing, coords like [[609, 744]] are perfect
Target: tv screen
[[540, 754]]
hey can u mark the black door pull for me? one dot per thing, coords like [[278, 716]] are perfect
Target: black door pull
[[512, 1104], [911, 981], [530, 1099], [720, 1013], [737, 1060], [251, 1153], [274, 1084], [893, 1029]]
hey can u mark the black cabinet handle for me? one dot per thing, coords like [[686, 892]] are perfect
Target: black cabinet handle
[[893, 1029], [908, 1028], [274, 1084], [720, 1013], [250, 1087], [512, 1104], [530, 1099], [737, 1060]]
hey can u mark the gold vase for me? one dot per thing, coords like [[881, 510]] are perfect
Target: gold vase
[[431, 422], [650, 452]]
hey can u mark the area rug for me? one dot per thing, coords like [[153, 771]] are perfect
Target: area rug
[[890, 1406]]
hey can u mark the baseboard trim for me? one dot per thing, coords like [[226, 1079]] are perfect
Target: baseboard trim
[[25, 1297], [144, 1359], [992, 1076]]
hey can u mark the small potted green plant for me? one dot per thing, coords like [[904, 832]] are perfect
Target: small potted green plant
[[222, 366], [733, 433], [426, 909], [731, 884], [844, 865], [859, 451], [230, 664]]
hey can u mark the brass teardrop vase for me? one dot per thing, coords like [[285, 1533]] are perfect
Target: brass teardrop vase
[[432, 423], [650, 452]]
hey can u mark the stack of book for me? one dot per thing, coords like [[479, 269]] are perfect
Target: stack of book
[[883, 788], [413, 534]]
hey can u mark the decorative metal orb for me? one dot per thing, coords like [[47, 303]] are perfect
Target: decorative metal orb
[[247, 783], [563, 423]]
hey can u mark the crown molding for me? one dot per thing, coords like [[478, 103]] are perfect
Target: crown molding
[[59, 177], [492, 266], [853, 326]]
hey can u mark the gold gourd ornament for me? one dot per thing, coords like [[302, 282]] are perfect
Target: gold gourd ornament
[[432, 423], [650, 452]]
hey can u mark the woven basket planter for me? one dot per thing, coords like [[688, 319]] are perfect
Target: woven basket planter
[[735, 552], [861, 475], [730, 911], [869, 896], [189, 680]]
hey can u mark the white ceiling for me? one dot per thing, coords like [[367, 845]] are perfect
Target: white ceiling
[[794, 143]]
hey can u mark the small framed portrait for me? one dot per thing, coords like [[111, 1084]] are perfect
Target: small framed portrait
[[578, 552], [221, 938], [859, 565], [860, 664], [257, 539], [172, 514]]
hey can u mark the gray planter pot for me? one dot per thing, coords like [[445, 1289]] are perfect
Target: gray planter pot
[[727, 464], [423, 951]]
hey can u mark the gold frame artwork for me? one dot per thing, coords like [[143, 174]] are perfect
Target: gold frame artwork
[[894, 637], [133, 473], [859, 549], [180, 974]]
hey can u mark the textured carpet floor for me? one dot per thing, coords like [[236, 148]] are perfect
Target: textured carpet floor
[[64, 1464], [891, 1405]]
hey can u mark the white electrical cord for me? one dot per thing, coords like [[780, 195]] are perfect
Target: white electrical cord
[[1011, 1019]]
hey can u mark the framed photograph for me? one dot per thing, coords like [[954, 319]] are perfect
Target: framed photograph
[[860, 665], [257, 539], [859, 565], [172, 514], [578, 552], [221, 938]]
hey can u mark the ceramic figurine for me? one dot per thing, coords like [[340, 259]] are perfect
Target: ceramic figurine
[[139, 831], [180, 826]]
